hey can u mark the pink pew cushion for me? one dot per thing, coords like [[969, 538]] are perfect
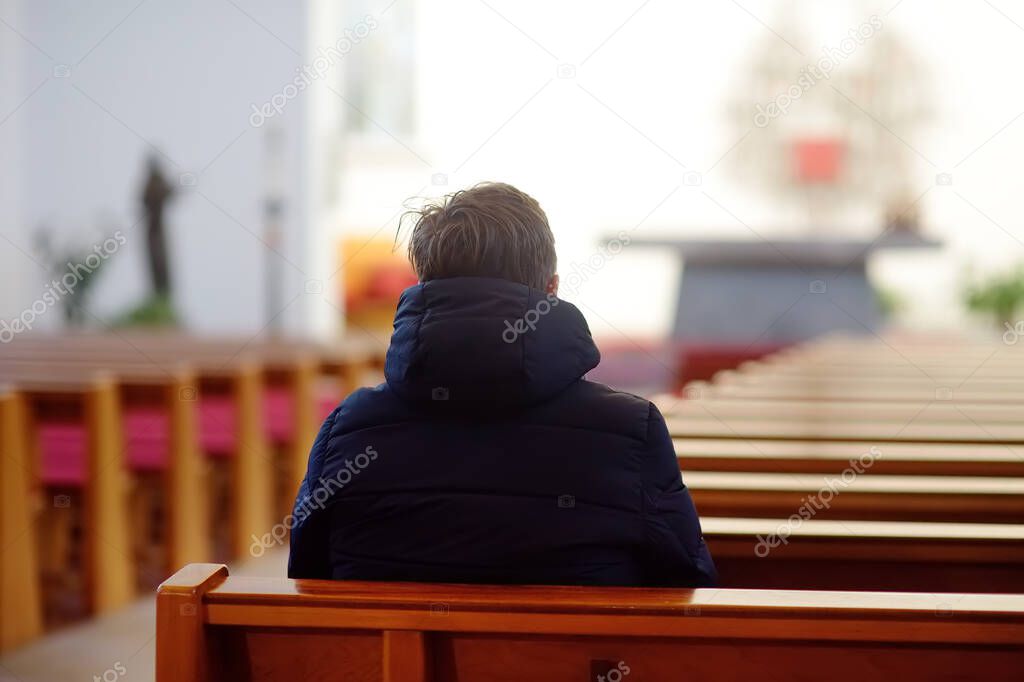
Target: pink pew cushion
[[326, 402], [64, 447], [277, 414], [62, 451], [217, 426], [147, 433]]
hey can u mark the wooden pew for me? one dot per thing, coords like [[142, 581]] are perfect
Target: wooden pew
[[166, 390], [881, 498], [951, 372], [700, 406], [873, 380], [238, 381], [21, 608], [834, 392], [225, 366], [58, 374], [293, 366], [211, 626], [718, 427], [108, 561], [816, 457], [866, 555], [860, 352]]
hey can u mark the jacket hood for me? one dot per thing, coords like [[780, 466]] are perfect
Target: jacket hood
[[472, 342]]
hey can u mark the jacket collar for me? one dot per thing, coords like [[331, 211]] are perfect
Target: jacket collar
[[470, 342]]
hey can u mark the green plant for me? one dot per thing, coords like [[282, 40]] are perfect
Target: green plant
[[77, 267], [890, 301], [156, 311], [999, 296]]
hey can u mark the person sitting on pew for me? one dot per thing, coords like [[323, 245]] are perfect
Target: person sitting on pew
[[486, 457]]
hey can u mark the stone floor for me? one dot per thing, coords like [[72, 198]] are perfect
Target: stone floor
[[119, 647]]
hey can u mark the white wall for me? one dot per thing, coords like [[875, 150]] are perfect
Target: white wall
[[180, 77], [15, 268]]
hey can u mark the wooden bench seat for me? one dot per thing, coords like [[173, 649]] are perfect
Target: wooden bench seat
[[877, 381], [702, 405], [891, 348], [826, 391], [821, 430], [952, 372], [882, 498], [866, 555], [832, 457], [882, 354], [214, 627]]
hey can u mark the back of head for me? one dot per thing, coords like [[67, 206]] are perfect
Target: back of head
[[485, 257], [489, 230]]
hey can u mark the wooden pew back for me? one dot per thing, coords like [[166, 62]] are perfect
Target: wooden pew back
[[21, 617], [212, 627]]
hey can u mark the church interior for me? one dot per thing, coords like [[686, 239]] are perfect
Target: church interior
[[791, 225]]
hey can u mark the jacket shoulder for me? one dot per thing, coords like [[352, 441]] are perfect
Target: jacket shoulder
[[596, 407], [585, 405], [369, 407]]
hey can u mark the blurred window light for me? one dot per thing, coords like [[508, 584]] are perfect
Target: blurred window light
[[379, 76]]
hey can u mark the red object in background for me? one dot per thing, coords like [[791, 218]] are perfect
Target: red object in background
[[702, 362], [818, 159], [649, 367], [385, 283]]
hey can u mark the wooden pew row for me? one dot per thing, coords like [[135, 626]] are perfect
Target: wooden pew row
[[702, 407], [994, 356], [61, 382], [953, 372], [290, 371], [288, 366], [819, 554], [817, 457], [252, 510], [879, 498], [93, 401], [833, 392], [214, 627], [96, 401], [872, 380], [903, 339], [346, 360], [21, 613], [942, 341], [719, 427], [144, 365]]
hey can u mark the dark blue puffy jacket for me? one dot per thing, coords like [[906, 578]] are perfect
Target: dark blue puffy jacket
[[486, 458]]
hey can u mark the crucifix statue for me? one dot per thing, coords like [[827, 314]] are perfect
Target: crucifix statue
[[154, 198]]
